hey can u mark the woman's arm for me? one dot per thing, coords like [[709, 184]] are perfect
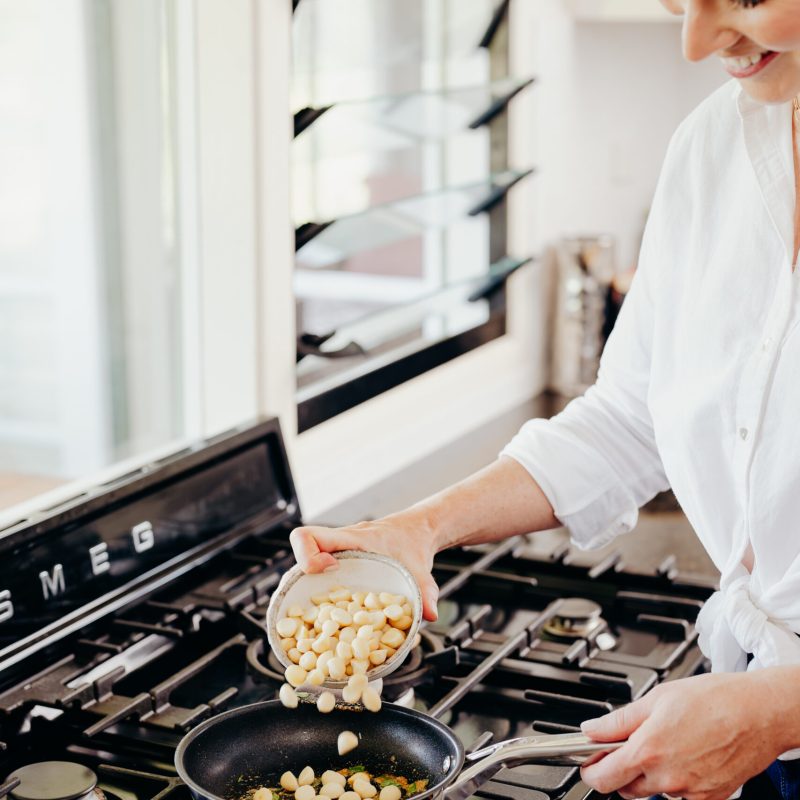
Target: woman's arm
[[589, 468], [501, 500]]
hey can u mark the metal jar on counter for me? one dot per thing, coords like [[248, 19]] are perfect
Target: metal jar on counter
[[585, 270]]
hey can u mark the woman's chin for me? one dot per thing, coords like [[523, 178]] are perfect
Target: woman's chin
[[777, 89], [767, 97]]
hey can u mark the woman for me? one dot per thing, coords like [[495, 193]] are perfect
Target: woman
[[699, 389]]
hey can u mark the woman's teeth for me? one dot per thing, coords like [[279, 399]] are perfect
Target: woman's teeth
[[743, 62]]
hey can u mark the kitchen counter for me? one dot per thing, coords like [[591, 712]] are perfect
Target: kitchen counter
[[658, 534]]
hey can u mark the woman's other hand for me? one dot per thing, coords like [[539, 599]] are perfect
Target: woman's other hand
[[699, 738]]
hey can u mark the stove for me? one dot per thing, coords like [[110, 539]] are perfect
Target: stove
[[133, 612]]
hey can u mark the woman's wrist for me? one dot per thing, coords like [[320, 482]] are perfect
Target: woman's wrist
[[429, 520], [776, 696]]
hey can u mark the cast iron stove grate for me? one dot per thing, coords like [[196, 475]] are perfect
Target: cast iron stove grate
[[110, 671]]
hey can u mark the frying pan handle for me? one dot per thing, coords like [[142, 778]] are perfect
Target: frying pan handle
[[562, 749]]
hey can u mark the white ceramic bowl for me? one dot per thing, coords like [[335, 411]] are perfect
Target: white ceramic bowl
[[357, 570]]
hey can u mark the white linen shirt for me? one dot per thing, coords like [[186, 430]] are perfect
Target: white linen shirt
[[699, 384]]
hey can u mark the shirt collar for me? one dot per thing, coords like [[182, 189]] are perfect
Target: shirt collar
[[767, 131]]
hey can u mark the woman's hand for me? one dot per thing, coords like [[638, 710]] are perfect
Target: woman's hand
[[409, 537], [699, 738]]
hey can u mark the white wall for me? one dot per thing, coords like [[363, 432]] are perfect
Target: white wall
[[609, 96]]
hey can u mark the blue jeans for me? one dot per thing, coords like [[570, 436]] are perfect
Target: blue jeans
[[785, 776], [781, 781]]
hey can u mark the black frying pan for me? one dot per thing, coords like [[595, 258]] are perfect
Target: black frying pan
[[252, 746]]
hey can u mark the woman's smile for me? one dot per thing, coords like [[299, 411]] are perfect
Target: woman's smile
[[747, 66], [757, 41]]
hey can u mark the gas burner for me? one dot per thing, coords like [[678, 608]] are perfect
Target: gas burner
[[574, 618], [408, 699], [55, 780], [416, 665], [395, 685]]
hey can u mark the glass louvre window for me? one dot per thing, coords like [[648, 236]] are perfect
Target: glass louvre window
[[400, 174]]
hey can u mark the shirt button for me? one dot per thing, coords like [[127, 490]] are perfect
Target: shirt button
[[743, 433], [767, 343]]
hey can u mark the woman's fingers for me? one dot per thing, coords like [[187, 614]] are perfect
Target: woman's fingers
[[637, 768], [635, 789], [311, 550], [430, 595], [618, 725], [623, 766], [616, 769]]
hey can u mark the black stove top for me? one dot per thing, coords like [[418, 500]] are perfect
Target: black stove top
[[132, 613]]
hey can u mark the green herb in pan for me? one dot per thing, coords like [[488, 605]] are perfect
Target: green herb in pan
[[406, 788]]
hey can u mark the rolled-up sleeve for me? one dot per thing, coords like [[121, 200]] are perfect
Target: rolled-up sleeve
[[597, 461]]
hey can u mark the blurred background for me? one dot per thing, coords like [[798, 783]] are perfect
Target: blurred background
[[388, 222]]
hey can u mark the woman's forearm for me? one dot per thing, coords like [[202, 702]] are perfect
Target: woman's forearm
[[499, 501], [495, 503]]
